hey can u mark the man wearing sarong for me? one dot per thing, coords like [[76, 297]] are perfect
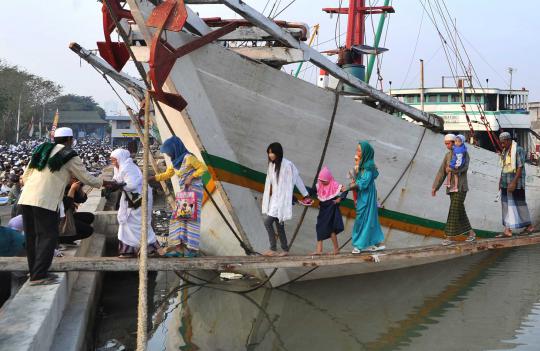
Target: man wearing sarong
[[515, 213], [457, 222]]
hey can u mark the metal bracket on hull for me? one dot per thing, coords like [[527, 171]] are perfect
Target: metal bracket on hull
[[163, 56], [319, 60], [116, 54]]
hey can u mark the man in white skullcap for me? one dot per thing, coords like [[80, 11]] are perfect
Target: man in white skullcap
[[51, 167], [457, 222], [515, 213]]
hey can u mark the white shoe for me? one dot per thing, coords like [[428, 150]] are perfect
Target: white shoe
[[356, 250], [372, 248], [380, 248]]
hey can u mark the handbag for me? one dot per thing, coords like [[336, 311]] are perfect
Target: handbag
[[134, 200], [186, 206], [67, 224]]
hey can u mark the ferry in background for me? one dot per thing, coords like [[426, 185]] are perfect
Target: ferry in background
[[502, 109]]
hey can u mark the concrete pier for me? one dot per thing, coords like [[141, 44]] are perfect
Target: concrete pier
[[32, 318]]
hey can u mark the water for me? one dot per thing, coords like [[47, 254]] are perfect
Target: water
[[489, 301]]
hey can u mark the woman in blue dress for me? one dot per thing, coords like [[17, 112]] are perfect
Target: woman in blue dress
[[367, 234]]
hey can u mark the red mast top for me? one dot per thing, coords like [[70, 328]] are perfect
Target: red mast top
[[356, 22]]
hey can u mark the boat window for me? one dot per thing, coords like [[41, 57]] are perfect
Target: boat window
[[431, 98], [455, 98], [477, 98], [123, 124], [490, 102], [503, 102], [411, 98], [468, 98], [443, 98]]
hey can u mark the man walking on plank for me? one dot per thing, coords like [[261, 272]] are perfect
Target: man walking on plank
[[515, 213]]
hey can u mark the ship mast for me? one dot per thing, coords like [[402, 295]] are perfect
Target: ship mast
[[356, 28]]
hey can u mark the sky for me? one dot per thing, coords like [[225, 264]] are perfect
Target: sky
[[498, 34]]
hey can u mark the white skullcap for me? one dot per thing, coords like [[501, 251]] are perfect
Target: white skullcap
[[16, 223], [63, 132], [505, 136], [449, 137]]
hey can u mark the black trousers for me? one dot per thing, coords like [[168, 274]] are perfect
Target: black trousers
[[83, 225], [268, 224], [41, 231]]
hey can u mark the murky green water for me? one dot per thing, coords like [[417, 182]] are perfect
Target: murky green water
[[484, 302]]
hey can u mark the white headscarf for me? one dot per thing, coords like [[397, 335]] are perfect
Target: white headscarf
[[123, 157]]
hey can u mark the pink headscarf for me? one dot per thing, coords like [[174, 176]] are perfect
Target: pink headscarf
[[327, 192]]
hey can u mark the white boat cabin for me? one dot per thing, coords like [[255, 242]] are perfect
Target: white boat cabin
[[502, 110]]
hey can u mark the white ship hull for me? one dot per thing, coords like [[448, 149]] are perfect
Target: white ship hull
[[237, 106]]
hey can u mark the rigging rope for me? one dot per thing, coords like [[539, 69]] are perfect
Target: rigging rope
[[304, 211], [144, 78]]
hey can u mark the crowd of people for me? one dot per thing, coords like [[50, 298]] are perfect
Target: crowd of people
[[55, 172]]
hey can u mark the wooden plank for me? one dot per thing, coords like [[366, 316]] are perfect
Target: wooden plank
[[256, 34], [278, 55], [225, 263]]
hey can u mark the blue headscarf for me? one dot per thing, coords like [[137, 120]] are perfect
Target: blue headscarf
[[368, 158], [175, 149]]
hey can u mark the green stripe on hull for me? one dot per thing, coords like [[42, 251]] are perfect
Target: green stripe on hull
[[260, 177]]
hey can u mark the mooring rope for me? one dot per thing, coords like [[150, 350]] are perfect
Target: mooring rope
[[142, 309], [304, 211]]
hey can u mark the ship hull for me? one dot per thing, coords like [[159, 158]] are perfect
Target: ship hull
[[237, 107]]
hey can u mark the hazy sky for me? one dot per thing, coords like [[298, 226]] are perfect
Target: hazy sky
[[35, 35]]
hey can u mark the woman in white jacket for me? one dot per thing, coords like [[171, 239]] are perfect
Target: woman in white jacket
[[130, 211], [281, 179]]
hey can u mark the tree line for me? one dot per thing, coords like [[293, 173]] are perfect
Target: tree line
[[38, 98]]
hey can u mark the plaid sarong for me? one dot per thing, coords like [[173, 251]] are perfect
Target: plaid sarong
[[457, 222], [515, 213]]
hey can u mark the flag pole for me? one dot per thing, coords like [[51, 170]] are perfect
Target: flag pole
[[18, 118]]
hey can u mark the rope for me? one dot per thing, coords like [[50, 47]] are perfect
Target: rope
[[382, 203], [246, 248], [303, 215], [142, 73], [142, 310]]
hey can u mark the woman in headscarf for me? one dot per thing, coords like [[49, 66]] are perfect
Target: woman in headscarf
[[367, 233], [184, 235], [130, 212]]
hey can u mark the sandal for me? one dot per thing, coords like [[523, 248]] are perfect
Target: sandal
[[446, 242], [270, 253], [51, 279], [191, 253], [127, 256], [470, 239], [528, 231], [503, 235], [173, 254]]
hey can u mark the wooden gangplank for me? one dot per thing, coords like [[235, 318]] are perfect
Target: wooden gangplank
[[232, 263]]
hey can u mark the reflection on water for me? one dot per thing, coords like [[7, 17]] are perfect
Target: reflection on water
[[484, 302]]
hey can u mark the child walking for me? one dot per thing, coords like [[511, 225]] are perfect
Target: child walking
[[329, 220], [281, 178], [458, 156]]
